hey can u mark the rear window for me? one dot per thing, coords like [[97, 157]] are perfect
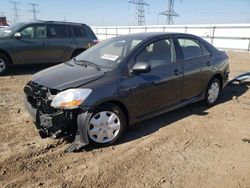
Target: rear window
[[58, 31], [79, 32]]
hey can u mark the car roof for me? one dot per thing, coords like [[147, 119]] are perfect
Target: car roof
[[149, 35], [53, 22]]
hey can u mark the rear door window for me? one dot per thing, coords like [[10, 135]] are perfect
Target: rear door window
[[204, 50], [79, 31], [40, 32], [190, 48], [58, 31]]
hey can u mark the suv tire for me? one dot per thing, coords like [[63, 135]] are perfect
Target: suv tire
[[4, 65]]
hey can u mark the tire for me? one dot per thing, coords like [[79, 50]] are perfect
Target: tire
[[4, 65], [104, 133], [212, 92]]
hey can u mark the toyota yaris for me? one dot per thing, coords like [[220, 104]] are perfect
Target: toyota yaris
[[122, 81]]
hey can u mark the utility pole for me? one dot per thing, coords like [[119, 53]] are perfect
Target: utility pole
[[34, 10], [16, 10], [170, 13], [140, 11]]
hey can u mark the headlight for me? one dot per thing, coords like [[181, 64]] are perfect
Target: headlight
[[70, 99]]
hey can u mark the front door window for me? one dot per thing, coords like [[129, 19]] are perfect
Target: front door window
[[34, 32], [158, 53]]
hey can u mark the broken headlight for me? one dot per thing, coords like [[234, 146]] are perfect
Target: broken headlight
[[70, 99]]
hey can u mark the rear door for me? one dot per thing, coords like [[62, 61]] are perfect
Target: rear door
[[60, 42], [84, 37], [194, 63], [32, 46], [207, 65]]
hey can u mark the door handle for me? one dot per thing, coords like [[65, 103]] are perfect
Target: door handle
[[45, 43], [177, 72], [209, 63]]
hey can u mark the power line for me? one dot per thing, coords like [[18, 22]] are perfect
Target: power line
[[34, 10], [140, 11], [170, 13], [16, 10]]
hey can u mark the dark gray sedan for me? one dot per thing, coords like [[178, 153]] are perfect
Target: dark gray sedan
[[122, 81]]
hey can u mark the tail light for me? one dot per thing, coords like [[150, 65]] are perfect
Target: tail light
[[95, 41]]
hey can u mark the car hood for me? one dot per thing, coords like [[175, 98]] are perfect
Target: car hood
[[66, 75]]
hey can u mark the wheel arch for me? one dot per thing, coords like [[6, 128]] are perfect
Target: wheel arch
[[219, 77], [6, 54], [119, 104]]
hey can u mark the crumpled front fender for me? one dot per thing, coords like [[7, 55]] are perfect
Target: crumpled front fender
[[81, 138]]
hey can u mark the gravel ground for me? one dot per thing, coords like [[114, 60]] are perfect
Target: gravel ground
[[191, 147]]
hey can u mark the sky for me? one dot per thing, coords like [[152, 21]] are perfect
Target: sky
[[119, 12]]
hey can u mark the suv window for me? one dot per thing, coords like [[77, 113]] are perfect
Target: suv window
[[158, 53], [190, 48], [79, 32], [28, 32], [34, 32], [58, 31], [40, 32]]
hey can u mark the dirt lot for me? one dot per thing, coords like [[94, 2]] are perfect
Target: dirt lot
[[191, 147]]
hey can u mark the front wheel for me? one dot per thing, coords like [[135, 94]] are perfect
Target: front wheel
[[107, 125], [4, 65], [212, 92]]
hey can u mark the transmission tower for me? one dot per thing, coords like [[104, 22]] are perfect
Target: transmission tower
[[170, 13], [140, 11], [16, 10], [34, 10]]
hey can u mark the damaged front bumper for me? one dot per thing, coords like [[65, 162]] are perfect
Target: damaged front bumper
[[52, 124], [55, 122]]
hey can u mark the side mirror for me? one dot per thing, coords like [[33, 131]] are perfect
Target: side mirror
[[141, 67], [17, 35]]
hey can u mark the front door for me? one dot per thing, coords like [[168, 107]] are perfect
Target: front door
[[161, 87], [32, 46]]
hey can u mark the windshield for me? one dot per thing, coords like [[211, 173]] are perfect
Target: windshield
[[8, 31], [110, 53]]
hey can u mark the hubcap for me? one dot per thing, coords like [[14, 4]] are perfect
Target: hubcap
[[213, 92], [2, 65], [104, 127]]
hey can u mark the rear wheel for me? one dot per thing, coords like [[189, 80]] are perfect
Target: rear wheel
[[107, 125], [212, 92], [4, 65]]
